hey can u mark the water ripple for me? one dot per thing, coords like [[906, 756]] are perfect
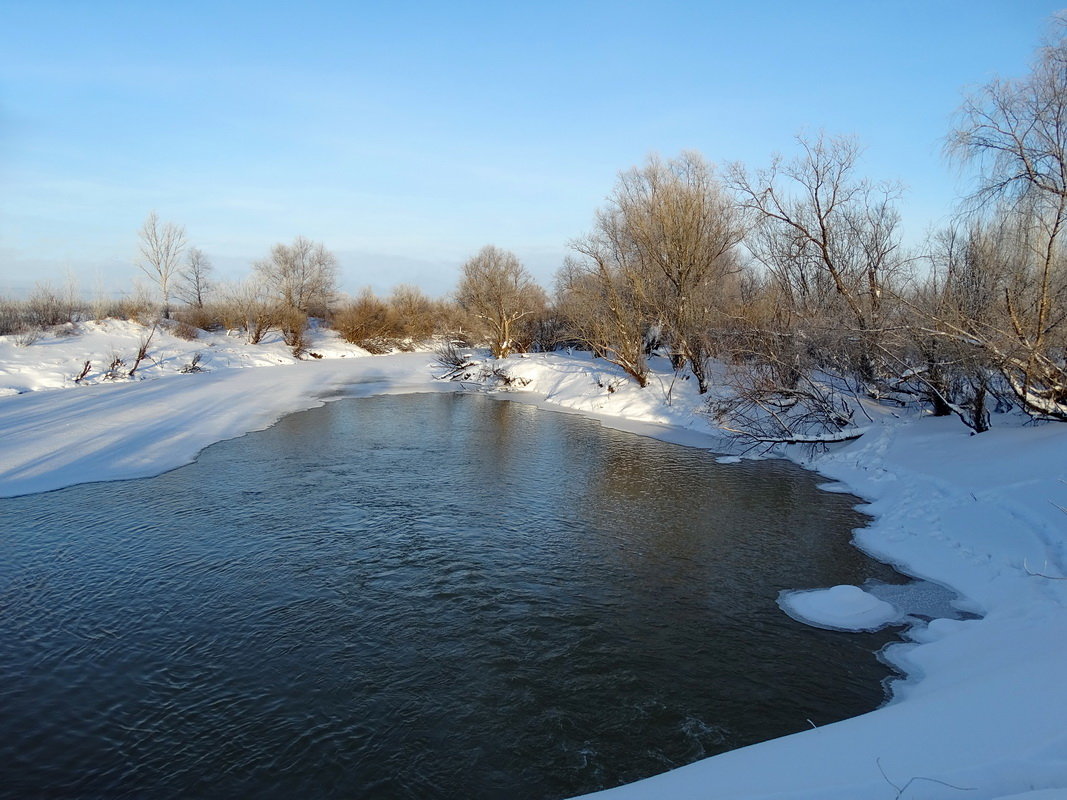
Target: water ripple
[[428, 597]]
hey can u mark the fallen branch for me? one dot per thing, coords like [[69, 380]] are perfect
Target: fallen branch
[[818, 438], [1032, 574]]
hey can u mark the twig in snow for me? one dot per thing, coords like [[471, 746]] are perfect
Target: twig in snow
[[1032, 574], [904, 788], [142, 351]]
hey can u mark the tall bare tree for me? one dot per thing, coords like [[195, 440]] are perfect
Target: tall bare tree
[[498, 290], [161, 247], [302, 275], [829, 238], [1014, 132], [656, 266], [682, 230]]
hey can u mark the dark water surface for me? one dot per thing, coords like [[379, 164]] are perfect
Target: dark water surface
[[429, 596]]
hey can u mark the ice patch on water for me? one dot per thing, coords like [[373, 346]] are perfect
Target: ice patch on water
[[921, 600]]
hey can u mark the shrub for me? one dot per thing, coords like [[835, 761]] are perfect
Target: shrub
[[207, 317], [294, 325], [11, 316], [47, 307], [183, 330], [369, 322]]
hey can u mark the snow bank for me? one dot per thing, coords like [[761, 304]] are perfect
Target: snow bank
[[843, 608], [130, 428], [60, 354], [985, 703]]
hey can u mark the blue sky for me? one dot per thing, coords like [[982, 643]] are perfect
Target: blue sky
[[405, 136]]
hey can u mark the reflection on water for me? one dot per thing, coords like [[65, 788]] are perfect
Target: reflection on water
[[422, 596]]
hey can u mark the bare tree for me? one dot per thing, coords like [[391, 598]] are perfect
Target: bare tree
[[1015, 133], [828, 238], [937, 365], [302, 275], [161, 249], [250, 307], [682, 231], [370, 322], [655, 267], [497, 289], [196, 282], [605, 304]]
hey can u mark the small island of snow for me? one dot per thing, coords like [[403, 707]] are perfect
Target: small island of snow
[[846, 608]]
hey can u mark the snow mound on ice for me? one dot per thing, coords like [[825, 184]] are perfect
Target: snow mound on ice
[[846, 608]]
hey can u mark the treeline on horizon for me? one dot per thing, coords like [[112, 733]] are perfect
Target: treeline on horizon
[[792, 275]]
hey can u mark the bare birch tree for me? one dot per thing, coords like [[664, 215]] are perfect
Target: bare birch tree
[[161, 249]]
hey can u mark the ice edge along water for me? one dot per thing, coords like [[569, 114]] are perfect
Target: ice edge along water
[[983, 713]]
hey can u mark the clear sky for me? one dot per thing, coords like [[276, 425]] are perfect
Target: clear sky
[[407, 135]]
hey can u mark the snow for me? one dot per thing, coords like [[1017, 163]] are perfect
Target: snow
[[982, 711], [111, 430], [845, 608]]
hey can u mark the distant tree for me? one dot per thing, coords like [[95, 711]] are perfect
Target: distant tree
[[368, 321], [302, 275], [414, 311], [497, 289], [161, 249], [249, 306], [195, 280]]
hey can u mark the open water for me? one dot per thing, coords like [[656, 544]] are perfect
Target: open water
[[425, 596]]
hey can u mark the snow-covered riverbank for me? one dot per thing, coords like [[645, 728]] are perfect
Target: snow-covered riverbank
[[983, 712]]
